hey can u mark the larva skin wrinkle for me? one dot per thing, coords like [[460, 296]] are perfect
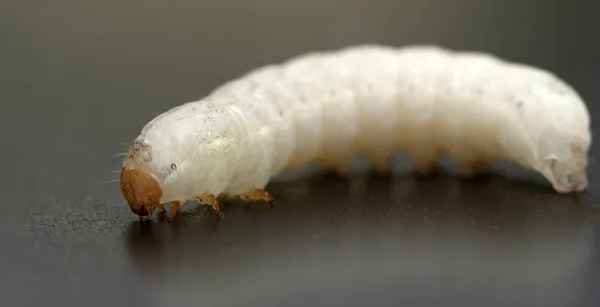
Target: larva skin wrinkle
[[327, 107]]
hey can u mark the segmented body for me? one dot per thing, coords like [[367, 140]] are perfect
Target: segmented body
[[328, 107]]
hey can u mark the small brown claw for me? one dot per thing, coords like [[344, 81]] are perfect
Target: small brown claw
[[211, 200], [259, 194], [173, 210], [149, 216]]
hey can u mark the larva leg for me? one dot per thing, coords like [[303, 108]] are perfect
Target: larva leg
[[211, 200], [173, 210], [161, 207], [259, 194], [149, 215]]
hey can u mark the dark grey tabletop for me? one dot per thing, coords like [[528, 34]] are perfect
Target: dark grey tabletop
[[78, 79]]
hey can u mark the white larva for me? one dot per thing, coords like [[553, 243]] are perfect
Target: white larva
[[327, 107]]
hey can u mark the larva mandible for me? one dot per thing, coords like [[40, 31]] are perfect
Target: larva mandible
[[327, 107]]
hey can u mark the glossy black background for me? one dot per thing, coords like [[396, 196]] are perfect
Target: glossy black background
[[78, 79]]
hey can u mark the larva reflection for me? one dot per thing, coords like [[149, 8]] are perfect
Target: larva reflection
[[370, 100]]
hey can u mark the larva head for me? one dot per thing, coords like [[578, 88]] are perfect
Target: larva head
[[170, 158], [141, 190], [139, 185]]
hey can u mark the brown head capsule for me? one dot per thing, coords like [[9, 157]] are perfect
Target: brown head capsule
[[141, 190]]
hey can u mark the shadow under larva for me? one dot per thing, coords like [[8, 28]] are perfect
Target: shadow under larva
[[398, 208]]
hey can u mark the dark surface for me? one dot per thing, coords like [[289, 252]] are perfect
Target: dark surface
[[80, 78]]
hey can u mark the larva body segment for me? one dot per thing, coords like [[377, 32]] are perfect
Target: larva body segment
[[327, 107]]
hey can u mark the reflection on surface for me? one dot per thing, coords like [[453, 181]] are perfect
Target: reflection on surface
[[488, 242]]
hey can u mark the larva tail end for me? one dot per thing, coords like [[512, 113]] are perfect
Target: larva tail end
[[566, 178], [570, 184], [141, 190]]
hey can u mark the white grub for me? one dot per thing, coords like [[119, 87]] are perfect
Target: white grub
[[327, 107]]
